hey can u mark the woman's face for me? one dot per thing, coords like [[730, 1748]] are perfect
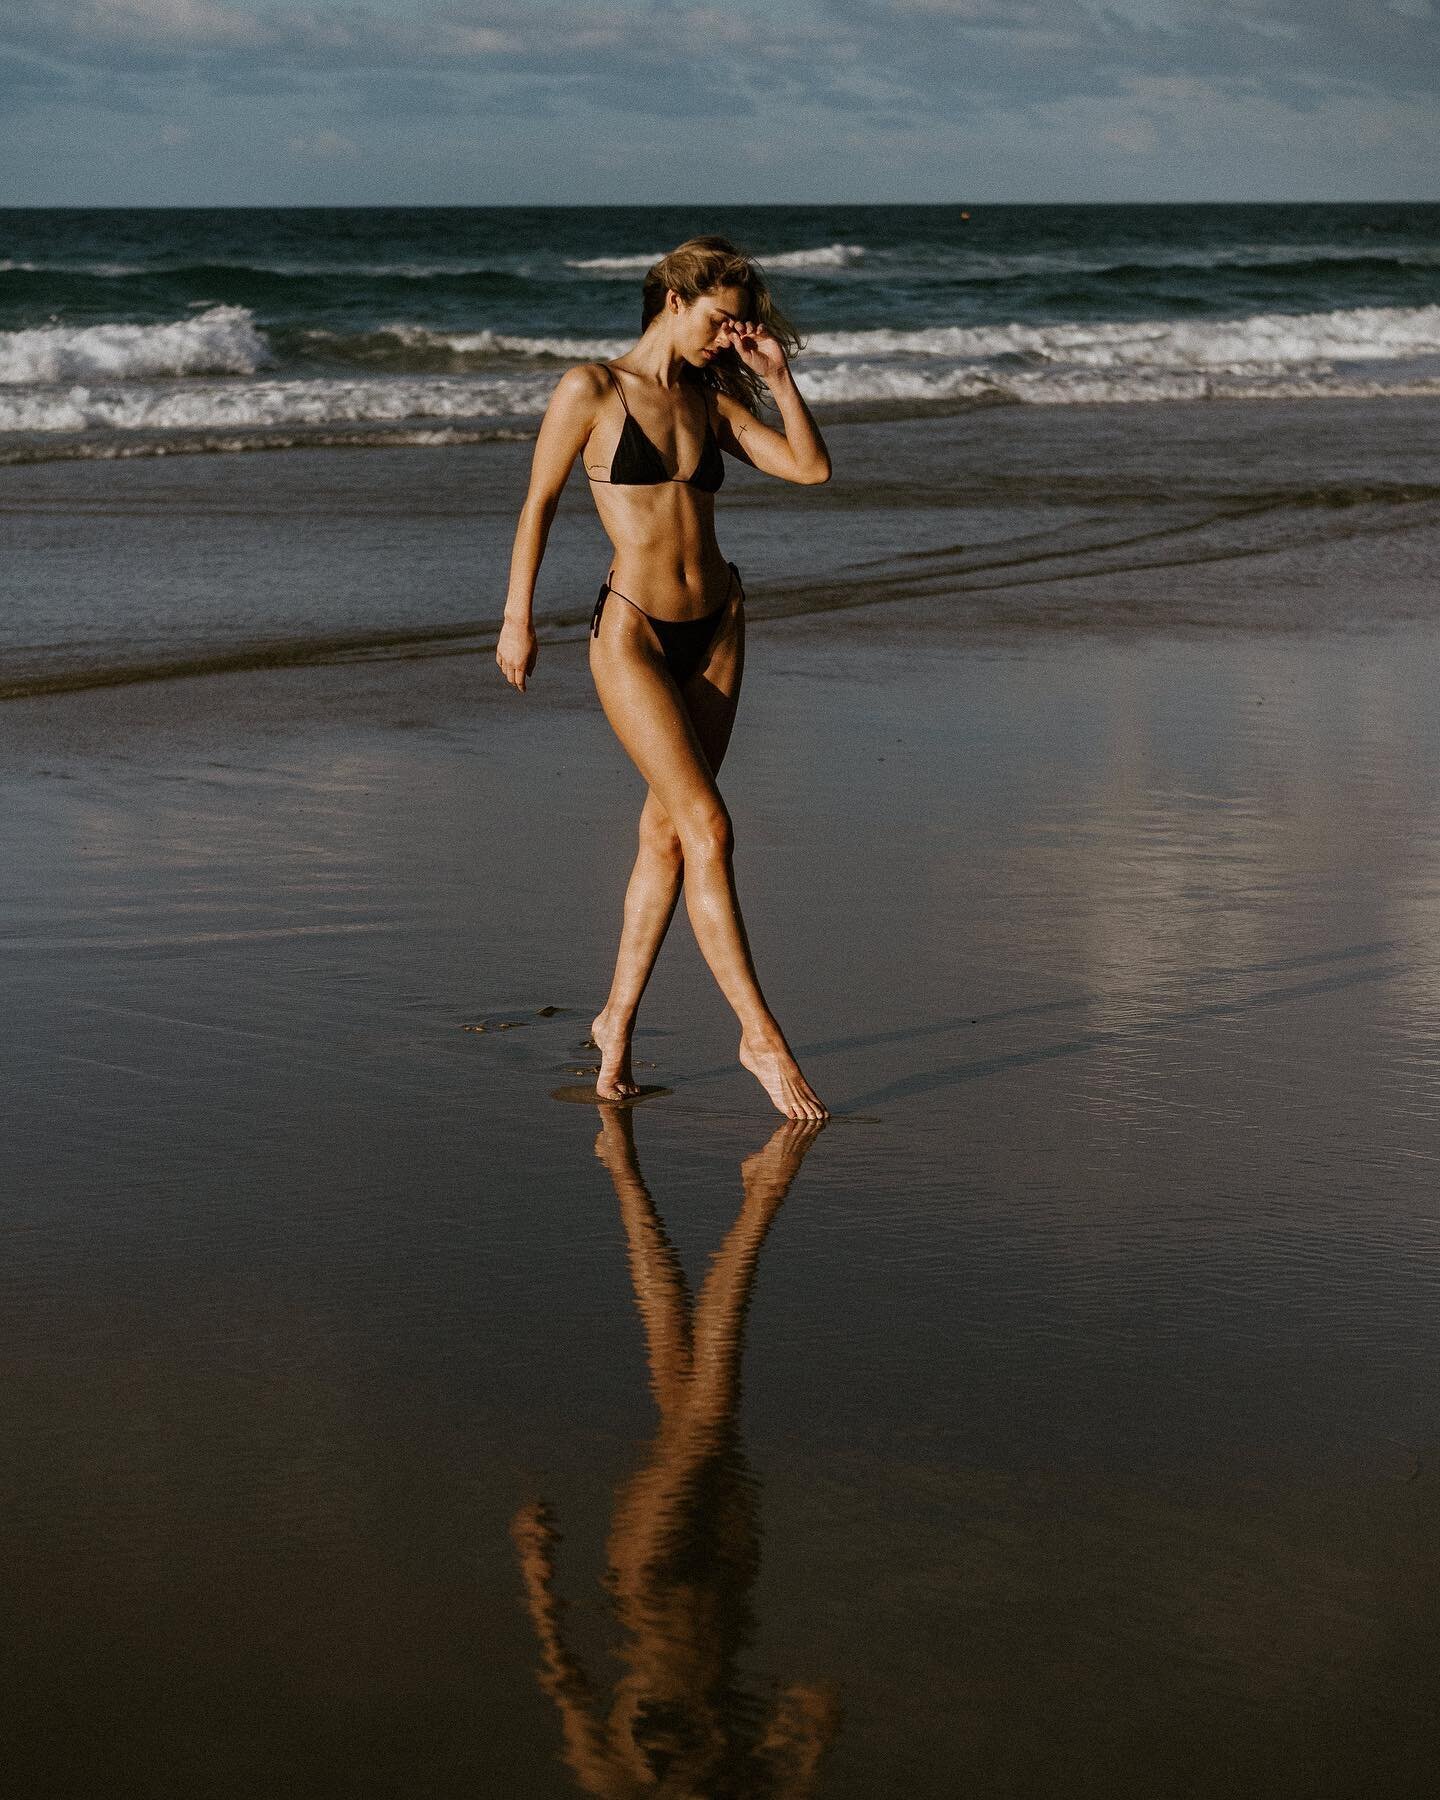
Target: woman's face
[[705, 323]]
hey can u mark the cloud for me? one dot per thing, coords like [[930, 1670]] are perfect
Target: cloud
[[194, 22], [1089, 46], [1130, 76], [322, 146], [1137, 137], [202, 35], [935, 52]]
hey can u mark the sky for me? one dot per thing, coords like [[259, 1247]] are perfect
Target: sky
[[476, 102]]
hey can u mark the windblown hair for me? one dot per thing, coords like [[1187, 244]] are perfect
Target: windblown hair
[[699, 266]]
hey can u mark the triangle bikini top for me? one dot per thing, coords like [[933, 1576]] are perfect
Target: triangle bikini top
[[637, 463]]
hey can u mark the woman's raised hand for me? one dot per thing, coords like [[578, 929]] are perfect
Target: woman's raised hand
[[516, 652], [753, 344]]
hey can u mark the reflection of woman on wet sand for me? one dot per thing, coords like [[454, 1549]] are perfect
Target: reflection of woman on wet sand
[[684, 1547], [667, 644]]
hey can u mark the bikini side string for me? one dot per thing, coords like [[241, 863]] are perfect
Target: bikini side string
[[606, 589]]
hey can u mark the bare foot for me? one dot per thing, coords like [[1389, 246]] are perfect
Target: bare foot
[[615, 1080], [778, 1073]]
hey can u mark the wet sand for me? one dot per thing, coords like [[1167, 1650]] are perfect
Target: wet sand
[[1087, 1435], [1251, 516]]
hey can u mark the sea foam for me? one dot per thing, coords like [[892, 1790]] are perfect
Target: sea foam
[[823, 256], [1277, 340], [222, 340], [211, 405], [1366, 334], [200, 374]]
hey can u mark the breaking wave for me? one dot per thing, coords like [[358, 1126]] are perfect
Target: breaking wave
[[824, 256], [211, 405], [1365, 334], [218, 375], [220, 341], [1370, 334]]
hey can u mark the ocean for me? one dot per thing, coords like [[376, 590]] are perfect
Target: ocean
[[141, 332]]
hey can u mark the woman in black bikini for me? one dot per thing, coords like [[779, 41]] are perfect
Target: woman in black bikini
[[667, 660]]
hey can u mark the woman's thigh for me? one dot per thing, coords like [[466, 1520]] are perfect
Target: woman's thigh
[[654, 723], [712, 694]]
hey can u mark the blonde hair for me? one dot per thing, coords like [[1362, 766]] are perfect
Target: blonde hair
[[699, 266]]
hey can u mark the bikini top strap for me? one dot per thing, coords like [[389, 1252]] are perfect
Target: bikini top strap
[[616, 385]]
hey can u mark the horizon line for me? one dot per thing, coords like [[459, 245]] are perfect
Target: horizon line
[[635, 205]]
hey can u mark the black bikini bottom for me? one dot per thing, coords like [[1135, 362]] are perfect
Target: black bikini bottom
[[684, 643]]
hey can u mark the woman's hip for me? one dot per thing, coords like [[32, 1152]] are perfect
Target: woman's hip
[[681, 598]]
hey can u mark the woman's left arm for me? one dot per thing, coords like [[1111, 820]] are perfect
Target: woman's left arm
[[796, 454]]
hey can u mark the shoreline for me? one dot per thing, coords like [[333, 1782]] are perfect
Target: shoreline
[[21, 450], [1259, 517]]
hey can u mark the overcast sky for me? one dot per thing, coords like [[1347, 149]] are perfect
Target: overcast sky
[[256, 102]]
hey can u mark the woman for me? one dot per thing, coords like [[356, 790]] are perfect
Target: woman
[[667, 655]]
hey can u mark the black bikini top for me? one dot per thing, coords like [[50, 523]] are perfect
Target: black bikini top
[[637, 463]]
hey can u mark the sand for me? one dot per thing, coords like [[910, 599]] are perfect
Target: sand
[[1087, 1435]]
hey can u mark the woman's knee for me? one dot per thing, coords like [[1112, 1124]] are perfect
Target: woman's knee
[[706, 833], [659, 839]]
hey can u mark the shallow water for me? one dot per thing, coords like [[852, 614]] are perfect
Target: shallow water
[[1251, 516], [1087, 1435]]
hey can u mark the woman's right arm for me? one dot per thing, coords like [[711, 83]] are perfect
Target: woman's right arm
[[567, 423]]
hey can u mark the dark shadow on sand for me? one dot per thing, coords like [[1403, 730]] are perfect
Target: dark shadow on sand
[[927, 1081]]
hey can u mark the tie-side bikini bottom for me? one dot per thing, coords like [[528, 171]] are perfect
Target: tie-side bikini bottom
[[684, 643]]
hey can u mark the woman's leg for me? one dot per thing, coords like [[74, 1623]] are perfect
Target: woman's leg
[[710, 698], [663, 740], [650, 902]]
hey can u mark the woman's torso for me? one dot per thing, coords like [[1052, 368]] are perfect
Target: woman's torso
[[666, 558]]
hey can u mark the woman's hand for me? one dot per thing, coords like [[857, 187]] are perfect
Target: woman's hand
[[753, 344], [516, 652]]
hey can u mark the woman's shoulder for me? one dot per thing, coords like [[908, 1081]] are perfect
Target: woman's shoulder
[[584, 378], [579, 390]]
